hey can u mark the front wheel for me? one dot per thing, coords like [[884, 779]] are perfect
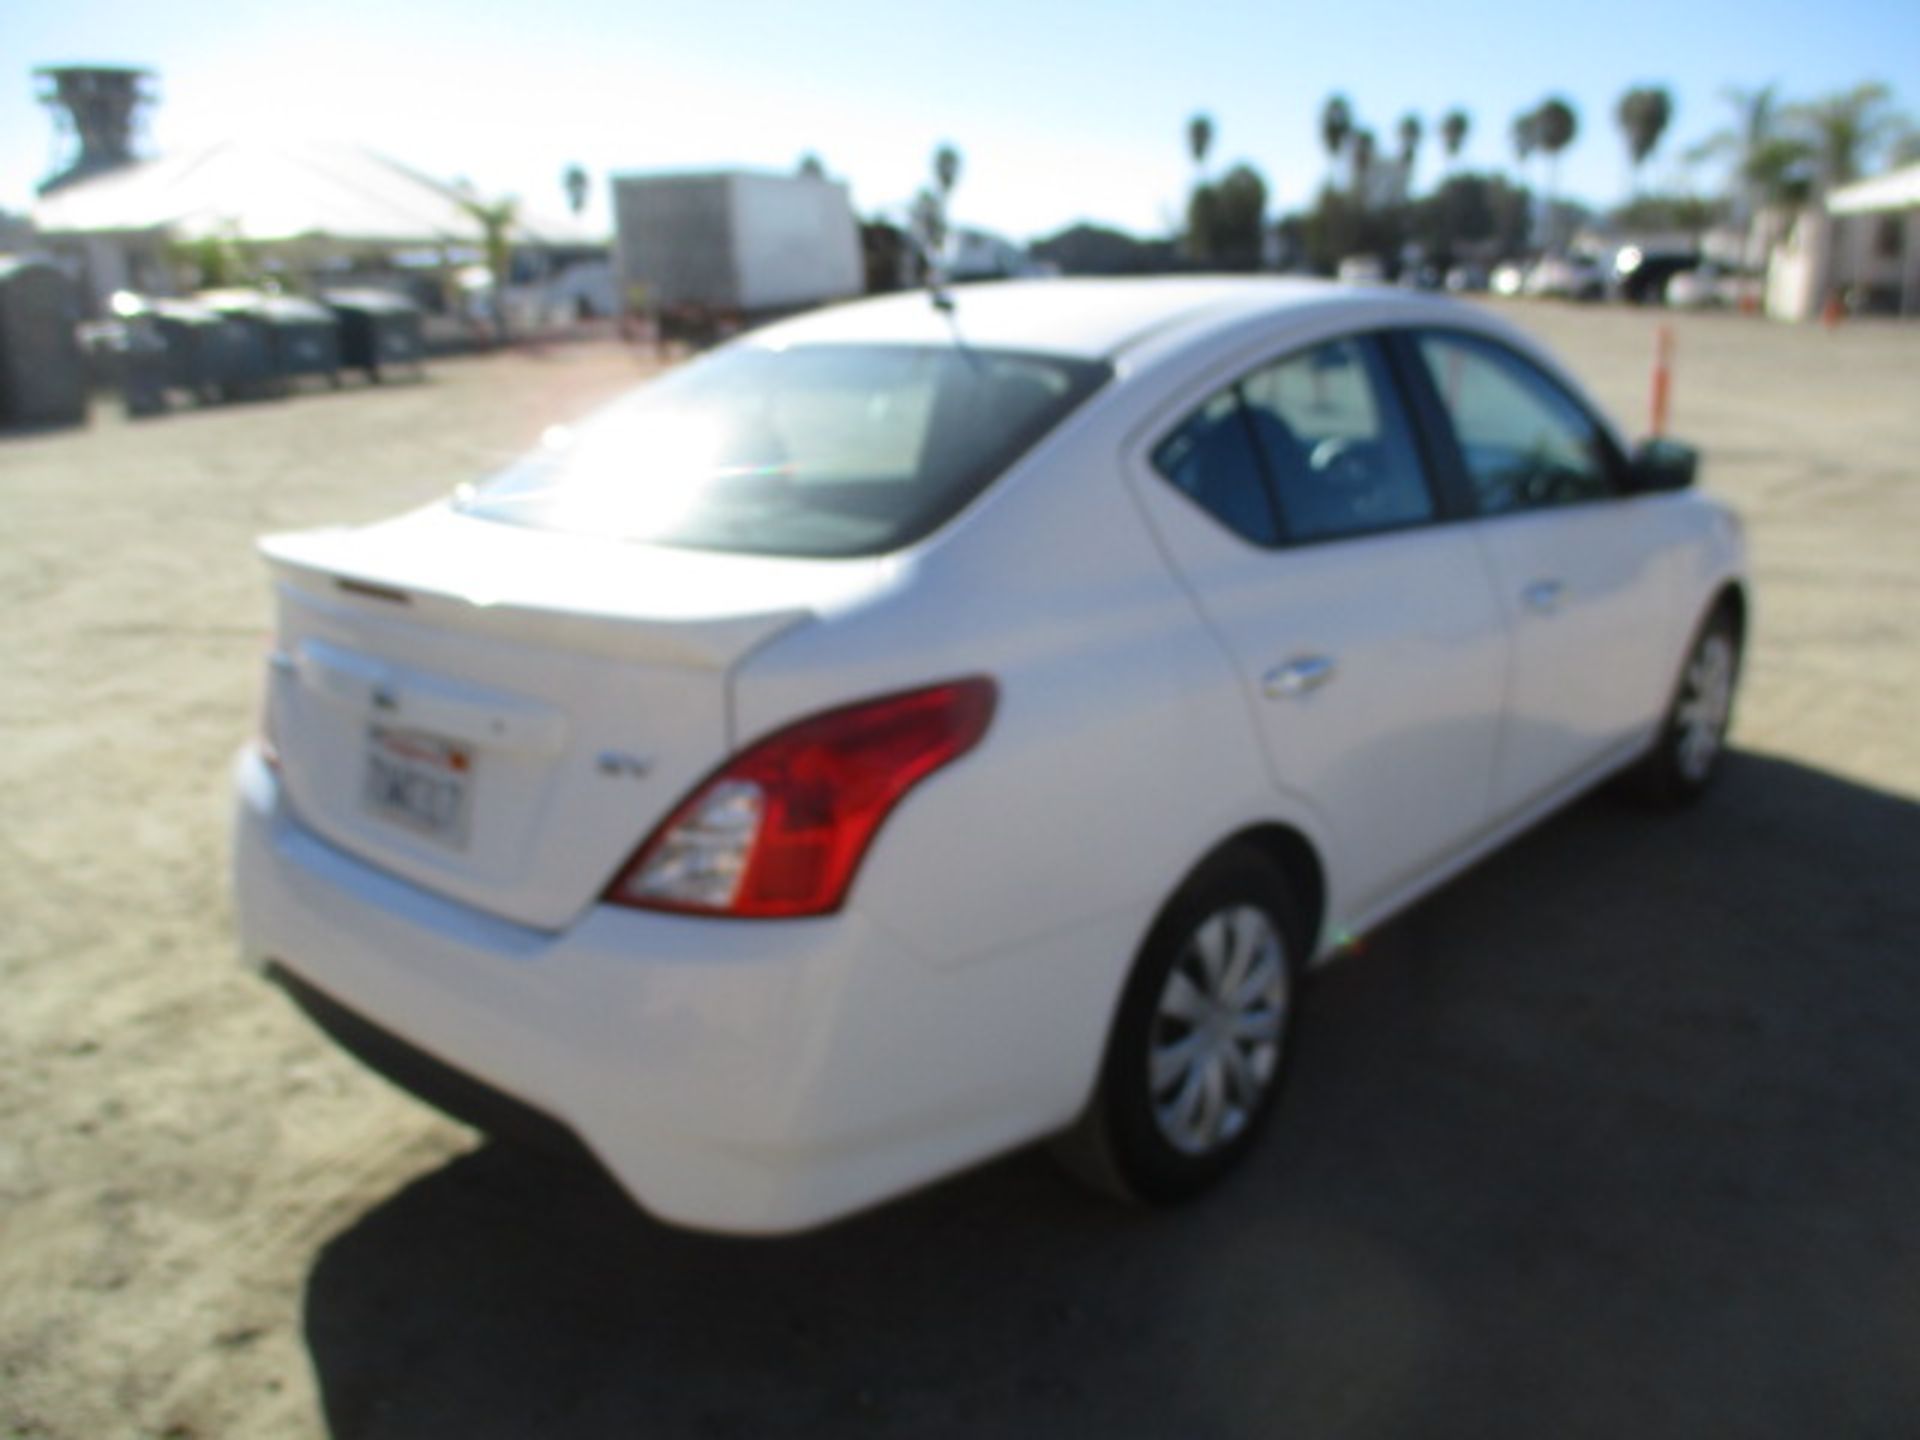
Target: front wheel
[[1200, 1042], [1686, 757]]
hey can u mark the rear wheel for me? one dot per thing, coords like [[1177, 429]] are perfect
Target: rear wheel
[[1687, 756], [1200, 1043]]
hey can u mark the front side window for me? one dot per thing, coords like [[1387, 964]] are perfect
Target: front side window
[[1525, 443], [822, 450]]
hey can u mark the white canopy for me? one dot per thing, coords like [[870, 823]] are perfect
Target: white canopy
[[1895, 190], [260, 192]]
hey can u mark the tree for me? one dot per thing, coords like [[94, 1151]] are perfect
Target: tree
[[1526, 140], [946, 170], [1643, 113], [1411, 131], [1336, 125], [574, 181], [812, 166], [1669, 212], [1200, 140], [928, 222], [1765, 166], [496, 219], [1454, 126], [1226, 220], [1556, 125], [1846, 132], [1481, 210], [1363, 149]]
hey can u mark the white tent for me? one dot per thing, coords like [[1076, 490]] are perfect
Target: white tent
[[258, 192]]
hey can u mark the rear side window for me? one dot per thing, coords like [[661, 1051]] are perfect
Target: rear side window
[[1211, 460], [1524, 442], [824, 450], [1342, 460], [1313, 446]]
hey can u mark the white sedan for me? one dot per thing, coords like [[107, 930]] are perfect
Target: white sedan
[[939, 723]]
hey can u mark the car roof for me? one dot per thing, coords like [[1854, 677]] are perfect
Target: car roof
[[1094, 319]]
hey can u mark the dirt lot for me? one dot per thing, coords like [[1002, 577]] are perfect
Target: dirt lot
[[1620, 1134]]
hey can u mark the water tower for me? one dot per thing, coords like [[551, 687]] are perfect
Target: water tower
[[96, 109]]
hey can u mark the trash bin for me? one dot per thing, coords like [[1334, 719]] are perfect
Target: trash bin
[[128, 355], [43, 375], [216, 356], [301, 338], [377, 330]]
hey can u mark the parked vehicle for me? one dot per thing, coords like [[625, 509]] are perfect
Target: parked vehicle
[[1642, 274], [1362, 270], [712, 253], [908, 733], [1566, 277], [1714, 285], [1509, 278]]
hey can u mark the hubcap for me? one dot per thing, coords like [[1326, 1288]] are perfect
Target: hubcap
[[1706, 699], [1215, 1042]]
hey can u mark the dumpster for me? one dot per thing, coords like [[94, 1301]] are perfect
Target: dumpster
[[128, 355], [43, 375], [216, 356], [301, 338], [377, 330]]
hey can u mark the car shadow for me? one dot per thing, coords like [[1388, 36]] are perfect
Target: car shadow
[[1617, 1134]]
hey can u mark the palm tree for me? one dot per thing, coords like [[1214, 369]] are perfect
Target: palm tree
[[1411, 131], [1336, 126], [1762, 159], [1526, 140], [1643, 113], [1199, 141], [1556, 124], [496, 219], [1363, 148], [1453, 132], [946, 170], [574, 181], [1846, 131]]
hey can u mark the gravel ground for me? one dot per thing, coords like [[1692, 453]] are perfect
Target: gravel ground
[[1615, 1135]]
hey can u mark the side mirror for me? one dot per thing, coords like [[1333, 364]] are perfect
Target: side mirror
[[1659, 465]]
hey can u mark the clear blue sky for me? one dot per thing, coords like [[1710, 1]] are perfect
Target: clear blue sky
[[1061, 111]]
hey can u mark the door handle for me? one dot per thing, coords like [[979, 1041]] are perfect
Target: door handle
[[1543, 596], [1297, 677]]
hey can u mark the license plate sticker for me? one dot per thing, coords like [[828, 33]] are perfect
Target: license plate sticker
[[420, 782]]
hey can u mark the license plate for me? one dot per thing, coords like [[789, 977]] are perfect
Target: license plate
[[420, 782]]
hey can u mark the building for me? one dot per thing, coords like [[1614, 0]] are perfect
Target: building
[[1861, 249]]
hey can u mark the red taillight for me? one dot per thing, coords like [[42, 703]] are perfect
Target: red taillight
[[781, 829]]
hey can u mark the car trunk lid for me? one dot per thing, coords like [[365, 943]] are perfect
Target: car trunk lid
[[502, 714]]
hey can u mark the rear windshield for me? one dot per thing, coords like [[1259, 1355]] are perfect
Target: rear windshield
[[824, 450]]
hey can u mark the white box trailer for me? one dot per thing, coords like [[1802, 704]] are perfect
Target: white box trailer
[[736, 243]]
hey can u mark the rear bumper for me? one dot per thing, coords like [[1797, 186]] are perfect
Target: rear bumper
[[753, 1077]]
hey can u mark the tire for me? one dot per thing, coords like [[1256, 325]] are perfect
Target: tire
[[1686, 759], [1207, 1013]]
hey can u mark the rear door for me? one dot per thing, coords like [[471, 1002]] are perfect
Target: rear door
[[1577, 564], [1369, 640]]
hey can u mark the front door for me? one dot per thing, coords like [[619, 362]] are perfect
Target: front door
[[1572, 560]]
